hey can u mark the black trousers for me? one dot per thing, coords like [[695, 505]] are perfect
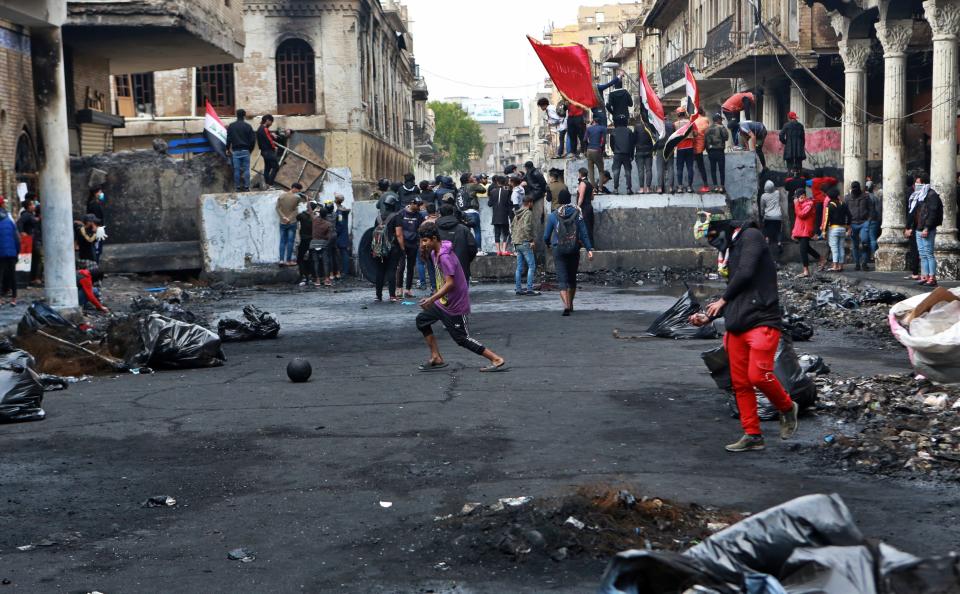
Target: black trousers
[[410, 264], [270, 166], [386, 271], [588, 219], [626, 163], [36, 261], [303, 257], [806, 250], [718, 161], [701, 167], [913, 255], [456, 327], [8, 276], [562, 149], [576, 128]]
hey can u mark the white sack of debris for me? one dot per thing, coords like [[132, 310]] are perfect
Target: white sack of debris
[[929, 326]]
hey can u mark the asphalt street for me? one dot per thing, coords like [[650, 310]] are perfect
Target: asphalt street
[[296, 473]]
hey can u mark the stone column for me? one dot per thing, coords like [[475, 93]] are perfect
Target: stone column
[[797, 104], [894, 35], [59, 270], [944, 19], [854, 53], [770, 115]]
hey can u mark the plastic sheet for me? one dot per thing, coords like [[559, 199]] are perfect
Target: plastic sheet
[[875, 295], [673, 322], [41, 316], [796, 326], [171, 344], [837, 297], [257, 324], [808, 544], [171, 310], [21, 390], [936, 356]]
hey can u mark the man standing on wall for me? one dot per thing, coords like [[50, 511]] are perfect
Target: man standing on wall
[[268, 150], [287, 205], [240, 141]]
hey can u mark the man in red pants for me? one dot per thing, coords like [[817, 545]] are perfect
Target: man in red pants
[[751, 310]]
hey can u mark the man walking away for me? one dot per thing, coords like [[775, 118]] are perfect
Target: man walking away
[[240, 141], [751, 309], [463, 240], [449, 303], [754, 133], [861, 211], [732, 108], [585, 192], [305, 220], [287, 205], [664, 167], [621, 141], [716, 141], [772, 216], [408, 190], [924, 215], [524, 241], [596, 139], [343, 235], [409, 242], [643, 154], [385, 254], [501, 206], [267, 142], [566, 232], [794, 139], [619, 103]]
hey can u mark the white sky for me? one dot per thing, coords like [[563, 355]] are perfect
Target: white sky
[[477, 44]]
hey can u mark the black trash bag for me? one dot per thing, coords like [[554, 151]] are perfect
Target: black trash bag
[[836, 297], [796, 327], [173, 311], [171, 344], [875, 295], [808, 544], [673, 322], [40, 316], [21, 390], [259, 324], [813, 364]]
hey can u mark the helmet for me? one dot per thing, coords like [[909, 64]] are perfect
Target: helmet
[[390, 200], [383, 184]]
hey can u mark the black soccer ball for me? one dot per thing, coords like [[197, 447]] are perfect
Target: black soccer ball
[[299, 370]]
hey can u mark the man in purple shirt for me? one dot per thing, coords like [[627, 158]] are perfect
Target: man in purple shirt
[[449, 303]]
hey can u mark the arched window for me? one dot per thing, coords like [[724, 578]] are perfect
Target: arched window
[[296, 78], [216, 84]]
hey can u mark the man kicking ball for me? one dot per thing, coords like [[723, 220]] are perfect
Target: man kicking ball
[[449, 303]]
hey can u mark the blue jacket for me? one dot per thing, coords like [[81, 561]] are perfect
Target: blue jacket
[[567, 210], [596, 136], [9, 236], [343, 228]]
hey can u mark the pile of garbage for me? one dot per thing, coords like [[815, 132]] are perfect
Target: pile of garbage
[[660, 275], [929, 326], [593, 523], [256, 324], [809, 544], [836, 303], [22, 386], [893, 424]]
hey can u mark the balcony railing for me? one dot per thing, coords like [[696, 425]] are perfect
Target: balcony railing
[[673, 71], [723, 41]]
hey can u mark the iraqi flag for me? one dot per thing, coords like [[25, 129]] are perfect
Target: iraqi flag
[[652, 113], [676, 138], [214, 131], [692, 100], [571, 69]]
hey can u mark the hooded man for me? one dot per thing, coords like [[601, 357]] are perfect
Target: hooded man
[[463, 240], [751, 309], [409, 190], [619, 103]]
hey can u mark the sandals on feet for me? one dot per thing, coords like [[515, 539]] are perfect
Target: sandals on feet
[[493, 368], [432, 366]]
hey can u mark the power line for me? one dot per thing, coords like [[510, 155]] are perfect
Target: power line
[[473, 84]]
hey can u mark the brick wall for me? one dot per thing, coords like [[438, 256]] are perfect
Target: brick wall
[[173, 92], [90, 72], [16, 100]]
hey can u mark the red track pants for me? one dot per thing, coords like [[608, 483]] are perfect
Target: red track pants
[[751, 366]]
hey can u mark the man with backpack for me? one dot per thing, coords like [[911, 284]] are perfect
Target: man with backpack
[[386, 255], [408, 242], [566, 232], [449, 303], [452, 230]]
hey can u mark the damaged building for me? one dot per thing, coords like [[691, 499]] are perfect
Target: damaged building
[[344, 71]]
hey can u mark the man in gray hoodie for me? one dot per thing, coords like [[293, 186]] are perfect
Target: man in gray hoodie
[[772, 216]]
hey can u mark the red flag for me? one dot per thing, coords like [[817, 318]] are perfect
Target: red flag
[[571, 69], [693, 93], [652, 113], [214, 131]]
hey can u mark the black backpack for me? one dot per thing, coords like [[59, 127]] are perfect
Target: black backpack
[[381, 241], [566, 230], [562, 108]]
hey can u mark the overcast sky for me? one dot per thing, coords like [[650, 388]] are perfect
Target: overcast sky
[[478, 44]]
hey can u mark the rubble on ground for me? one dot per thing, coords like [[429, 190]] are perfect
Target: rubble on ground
[[620, 277], [592, 524], [893, 424]]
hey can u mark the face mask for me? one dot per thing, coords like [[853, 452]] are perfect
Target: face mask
[[100, 196], [719, 242]]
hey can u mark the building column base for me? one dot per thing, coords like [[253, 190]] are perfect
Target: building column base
[[891, 254], [947, 252]]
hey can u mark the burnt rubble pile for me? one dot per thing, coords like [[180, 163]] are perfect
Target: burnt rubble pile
[[836, 303], [893, 424], [620, 277]]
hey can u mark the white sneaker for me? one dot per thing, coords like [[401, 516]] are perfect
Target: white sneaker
[[481, 253]]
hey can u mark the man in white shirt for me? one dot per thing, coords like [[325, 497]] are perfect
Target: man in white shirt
[[554, 120]]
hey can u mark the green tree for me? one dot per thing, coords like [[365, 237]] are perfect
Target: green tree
[[457, 136]]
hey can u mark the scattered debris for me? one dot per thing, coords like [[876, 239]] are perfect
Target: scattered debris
[[807, 544], [386, 504], [159, 501], [673, 322], [170, 344], [510, 502], [257, 324], [571, 521], [893, 424], [243, 555], [469, 507]]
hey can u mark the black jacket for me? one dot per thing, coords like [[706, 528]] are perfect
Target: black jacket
[[498, 198], [464, 242], [408, 194], [643, 141], [263, 141], [619, 103], [861, 207], [751, 294], [621, 140], [240, 136], [428, 196], [929, 214], [793, 138], [536, 184]]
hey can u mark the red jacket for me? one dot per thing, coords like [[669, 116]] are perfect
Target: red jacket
[[818, 184], [735, 103], [804, 219], [85, 282]]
